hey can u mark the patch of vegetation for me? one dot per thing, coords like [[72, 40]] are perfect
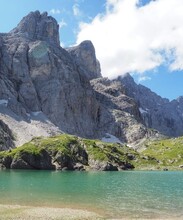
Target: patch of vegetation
[[28, 148], [166, 153], [63, 143], [66, 144], [112, 152]]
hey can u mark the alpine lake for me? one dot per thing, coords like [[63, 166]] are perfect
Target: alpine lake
[[123, 194]]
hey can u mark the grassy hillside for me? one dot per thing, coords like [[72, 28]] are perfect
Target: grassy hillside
[[67, 151], [168, 153]]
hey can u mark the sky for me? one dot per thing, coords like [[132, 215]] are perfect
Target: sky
[[142, 37]]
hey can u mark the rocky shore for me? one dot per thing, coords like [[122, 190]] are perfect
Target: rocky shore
[[17, 212]]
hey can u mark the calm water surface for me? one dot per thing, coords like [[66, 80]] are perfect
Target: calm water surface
[[113, 194]]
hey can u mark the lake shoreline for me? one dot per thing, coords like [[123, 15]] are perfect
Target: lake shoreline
[[19, 212]]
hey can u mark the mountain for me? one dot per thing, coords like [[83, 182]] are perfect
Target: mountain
[[38, 76], [158, 113], [47, 90]]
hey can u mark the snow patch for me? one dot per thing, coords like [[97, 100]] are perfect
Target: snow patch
[[36, 113], [142, 111], [110, 139], [28, 115], [4, 102]]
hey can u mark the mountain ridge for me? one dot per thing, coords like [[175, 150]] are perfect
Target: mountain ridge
[[157, 112]]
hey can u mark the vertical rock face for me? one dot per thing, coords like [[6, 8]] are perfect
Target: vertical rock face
[[84, 56], [38, 75], [6, 137]]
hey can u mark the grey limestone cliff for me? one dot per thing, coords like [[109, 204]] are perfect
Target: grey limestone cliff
[[38, 75]]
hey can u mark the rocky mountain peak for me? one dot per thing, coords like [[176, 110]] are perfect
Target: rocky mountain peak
[[180, 99], [85, 58], [37, 26], [127, 80]]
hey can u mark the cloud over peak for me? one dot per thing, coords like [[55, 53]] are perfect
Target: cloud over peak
[[62, 23], [129, 37], [55, 11], [76, 10]]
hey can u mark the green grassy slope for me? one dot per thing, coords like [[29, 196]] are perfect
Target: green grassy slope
[[158, 155], [75, 149], [168, 153]]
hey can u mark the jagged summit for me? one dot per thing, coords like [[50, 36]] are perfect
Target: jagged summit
[[37, 26], [84, 55], [127, 80], [180, 99]]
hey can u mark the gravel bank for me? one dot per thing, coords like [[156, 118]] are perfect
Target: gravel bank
[[16, 212]]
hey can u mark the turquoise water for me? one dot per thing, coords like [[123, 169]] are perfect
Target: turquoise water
[[113, 194]]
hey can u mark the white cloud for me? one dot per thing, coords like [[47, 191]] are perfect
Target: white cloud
[[62, 23], [129, 38], [76, 10], [55, 11], [143, 78]]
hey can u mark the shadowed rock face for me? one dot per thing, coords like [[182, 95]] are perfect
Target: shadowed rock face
[[6, 137]]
